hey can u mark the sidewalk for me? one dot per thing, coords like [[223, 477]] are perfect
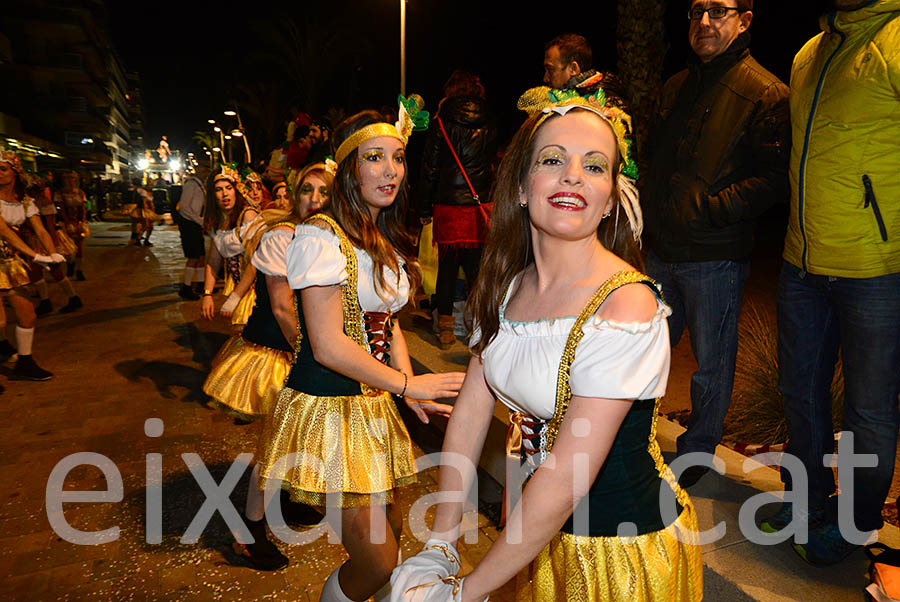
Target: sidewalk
[[735, 569], [136, 351]]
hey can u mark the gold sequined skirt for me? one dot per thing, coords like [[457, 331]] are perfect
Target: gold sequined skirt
[[245, 305], [13, 272], [245, 378], [244, 308], [662, 566], [65, 246], [355, 449]]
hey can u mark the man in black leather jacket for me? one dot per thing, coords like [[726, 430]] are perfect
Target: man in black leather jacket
[[460, 220], [718, 158]]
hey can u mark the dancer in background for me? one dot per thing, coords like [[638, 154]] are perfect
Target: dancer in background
[[250, 368], [64, 245], [351, 269], [16, 211], [73, 203], [228, 220]]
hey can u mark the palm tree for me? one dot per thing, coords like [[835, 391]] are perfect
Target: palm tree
[[310, 56], [641, 46], [205, 141], [262, 106]]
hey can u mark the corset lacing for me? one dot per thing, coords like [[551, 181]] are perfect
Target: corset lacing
[[378, 327]]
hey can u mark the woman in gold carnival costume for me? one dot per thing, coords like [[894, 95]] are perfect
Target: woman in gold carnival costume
[[18, 211], [251, 377], [63, 244], [251, 366], [351, 269], [228, 219], [574, 340], [71, 200], [143, 216]]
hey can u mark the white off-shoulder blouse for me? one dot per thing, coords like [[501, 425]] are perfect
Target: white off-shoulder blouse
[[270, 256], [15, 214], [614, 360], [314, 258], [229, 243]]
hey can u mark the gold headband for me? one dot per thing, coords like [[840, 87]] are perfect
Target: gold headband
[[358, 137]]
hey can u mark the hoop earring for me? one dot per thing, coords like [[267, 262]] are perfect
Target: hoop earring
[[523, 204]]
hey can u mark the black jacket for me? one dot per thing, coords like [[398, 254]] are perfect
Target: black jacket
[[473, 131], [718, 158]]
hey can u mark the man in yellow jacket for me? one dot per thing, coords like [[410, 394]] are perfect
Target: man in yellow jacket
[[840, 283]]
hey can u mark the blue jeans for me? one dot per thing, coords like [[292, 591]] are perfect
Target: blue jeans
[[817, 315], [706, 297]]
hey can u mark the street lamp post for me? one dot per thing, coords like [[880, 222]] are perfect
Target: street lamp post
[[403, 47], [235, 113]]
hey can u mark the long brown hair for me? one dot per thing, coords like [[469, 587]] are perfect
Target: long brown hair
[[212, 215], [508, 247], [381, 237]]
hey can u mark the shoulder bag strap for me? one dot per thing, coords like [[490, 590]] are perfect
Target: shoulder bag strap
[[458, 162]]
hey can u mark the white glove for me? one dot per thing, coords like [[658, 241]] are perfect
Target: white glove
[[43, 260], [230, 303], [438, 560], [448, 589], [57, 258]]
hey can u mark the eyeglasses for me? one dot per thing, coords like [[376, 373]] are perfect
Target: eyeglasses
[[715, 12]]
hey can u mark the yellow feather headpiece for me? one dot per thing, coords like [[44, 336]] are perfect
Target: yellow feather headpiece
[[549, 101]]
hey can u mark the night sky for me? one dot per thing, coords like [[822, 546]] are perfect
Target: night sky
[[194, 57]]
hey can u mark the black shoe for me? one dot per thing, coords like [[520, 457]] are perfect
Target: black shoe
[[238, 421], [691, 475], [73, 304], [79, 275], [147, 243], [187, 293], [70, 270], [7, 351], [262, 554], [44, 307], [27, 369]]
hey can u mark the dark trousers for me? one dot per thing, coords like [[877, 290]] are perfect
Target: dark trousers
[[705, 297], [817, 315], [448, 267]]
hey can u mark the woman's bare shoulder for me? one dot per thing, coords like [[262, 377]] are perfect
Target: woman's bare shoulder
[[633, 302]]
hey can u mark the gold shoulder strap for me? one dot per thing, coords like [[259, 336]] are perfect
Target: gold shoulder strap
[[349, 295], [291, 225], [563, 390]]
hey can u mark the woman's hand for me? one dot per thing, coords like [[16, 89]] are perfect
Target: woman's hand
[[434, 386], [45, 261], [207, 307], [230, 304], [423, 408]]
